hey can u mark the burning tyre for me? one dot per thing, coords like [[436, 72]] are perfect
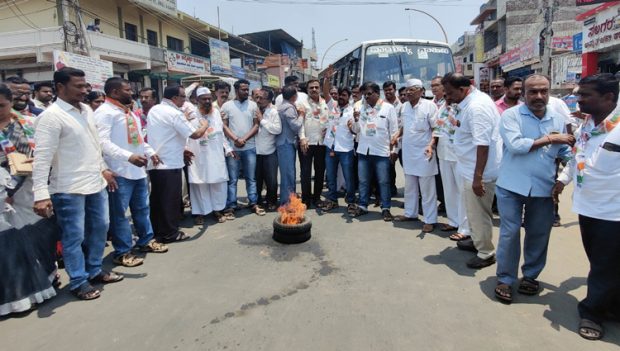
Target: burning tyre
[[292, 227]]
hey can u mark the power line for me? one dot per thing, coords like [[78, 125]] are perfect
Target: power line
[[28, 13]]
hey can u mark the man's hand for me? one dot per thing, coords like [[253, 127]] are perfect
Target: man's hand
[[301, 111], [258, 116], [330, 71], [393, 157], [356, 115], [233, 155], [303, 145], [43, 208], [138, 160], [240, 142], [428, 152], [578, 114], [156, 160], [108, 175], [556, 191], [187, 157], [478, 187], [562, 139]]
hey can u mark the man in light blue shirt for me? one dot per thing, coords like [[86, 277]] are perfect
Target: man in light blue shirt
[[534, 136]]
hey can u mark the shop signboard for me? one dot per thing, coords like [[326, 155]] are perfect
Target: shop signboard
[[510, 57], [273, 81], [97, 71], [220, 57], [493, 53], [168, 7], [528, 50], [602, 30], [238, 72], [184, 63], [564, 42], [577, 42]]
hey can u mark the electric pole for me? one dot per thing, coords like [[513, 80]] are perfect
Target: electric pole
[[547, 36]]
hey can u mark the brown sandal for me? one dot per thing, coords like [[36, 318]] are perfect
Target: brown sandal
[[107, 278], [258, 210], [219, 217], [199, 220], [458, 237], [86, 292], [128, 260], [447, 228], [154, 246]]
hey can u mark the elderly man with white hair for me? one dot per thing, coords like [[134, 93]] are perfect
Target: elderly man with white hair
[[419, 162], [208, 175]]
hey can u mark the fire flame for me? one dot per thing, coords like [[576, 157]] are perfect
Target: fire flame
[[293, 212]]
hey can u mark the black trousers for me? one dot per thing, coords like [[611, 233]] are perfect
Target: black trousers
[[165, 201], [315, 156], [267, 173], [601, 241]]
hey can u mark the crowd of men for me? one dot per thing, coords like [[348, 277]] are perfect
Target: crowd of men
[[90, 168]]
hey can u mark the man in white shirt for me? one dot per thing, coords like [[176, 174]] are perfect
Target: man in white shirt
[[311, 148], [43, 95], [389, 91], [375, 123], [293, 81], [168, 130], [67, 143], [478, 147], [127, 155], [339, 141], [240, 126], [207, 173], [266, 155], [595, 170], [419, 162]]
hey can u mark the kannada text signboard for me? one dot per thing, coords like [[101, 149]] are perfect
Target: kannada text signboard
[[97, 71]]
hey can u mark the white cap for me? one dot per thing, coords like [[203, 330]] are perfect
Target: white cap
[[202, 91], [411, 83]]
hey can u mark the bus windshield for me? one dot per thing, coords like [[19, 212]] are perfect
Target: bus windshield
[[399, 62]]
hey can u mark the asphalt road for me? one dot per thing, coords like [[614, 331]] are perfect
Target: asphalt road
[[356, 285]]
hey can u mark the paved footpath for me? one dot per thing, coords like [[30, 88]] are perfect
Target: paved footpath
[[356, 285]]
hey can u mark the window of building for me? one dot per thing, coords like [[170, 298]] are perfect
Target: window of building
[[199, 47], [174, 43], [151, 37], [131, 32]]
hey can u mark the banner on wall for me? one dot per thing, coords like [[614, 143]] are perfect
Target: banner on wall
[[97, 71]]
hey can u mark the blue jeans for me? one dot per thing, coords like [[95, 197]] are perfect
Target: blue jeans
[[345, 159], [380, 167], [248, 158], [286, 161], [83, 221], [538, 220], [132, 194]]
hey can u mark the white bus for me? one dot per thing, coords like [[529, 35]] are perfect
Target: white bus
[[393, 59]]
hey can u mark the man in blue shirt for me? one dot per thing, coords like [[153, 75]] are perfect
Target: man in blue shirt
[[534, 136]]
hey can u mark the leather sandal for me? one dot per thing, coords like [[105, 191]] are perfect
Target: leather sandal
[[107, 278], [86, 292], [128, 260], [257, 210], [503, 293], [154, 246]]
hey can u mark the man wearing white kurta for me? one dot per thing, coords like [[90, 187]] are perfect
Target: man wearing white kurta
[[451, 180], [419, 162], [208, 175]]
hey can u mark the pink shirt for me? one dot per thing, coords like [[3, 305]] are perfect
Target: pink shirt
[[502, 106]]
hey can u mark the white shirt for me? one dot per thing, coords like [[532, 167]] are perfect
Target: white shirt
[[66, 141], [375, 128], [598, 194], [479, 126], [240, 116], [270, 127], [560, 107], [168, 130], [302, 98], [315, 121], [338, 136], [418, 124], [209, 162], [112, 126]]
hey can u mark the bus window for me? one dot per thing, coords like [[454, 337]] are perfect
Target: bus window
[[402, 61]]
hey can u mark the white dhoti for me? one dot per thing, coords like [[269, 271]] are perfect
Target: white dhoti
[[207, 198], [462, 217], [429, 197]]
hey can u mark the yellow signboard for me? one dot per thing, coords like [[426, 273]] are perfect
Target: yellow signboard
[[273, 81]]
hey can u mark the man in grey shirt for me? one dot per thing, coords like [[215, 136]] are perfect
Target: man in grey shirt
[[286, 142], [240, 126]]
